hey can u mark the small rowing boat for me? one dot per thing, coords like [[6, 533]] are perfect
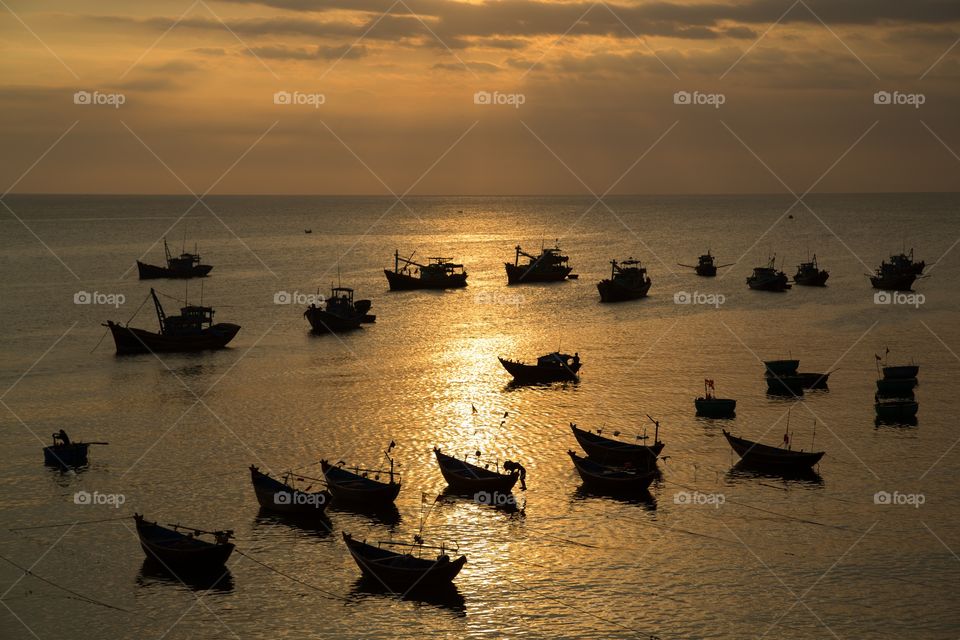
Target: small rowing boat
[[463, 476], [282, 497], [174, 549], [404, 570], [611, 479]]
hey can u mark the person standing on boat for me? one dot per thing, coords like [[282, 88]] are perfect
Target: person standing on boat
[[63, 438], [576, 358]]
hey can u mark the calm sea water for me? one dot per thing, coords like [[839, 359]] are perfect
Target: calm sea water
[[776, 558]]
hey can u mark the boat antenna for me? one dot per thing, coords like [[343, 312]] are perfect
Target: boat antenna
[[656, 429]]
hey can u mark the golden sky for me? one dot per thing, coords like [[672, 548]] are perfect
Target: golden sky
[[583, 96]]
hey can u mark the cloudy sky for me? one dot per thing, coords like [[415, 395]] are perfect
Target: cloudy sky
[[479, 97]]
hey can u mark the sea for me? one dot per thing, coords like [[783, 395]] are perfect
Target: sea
[[867, 547]]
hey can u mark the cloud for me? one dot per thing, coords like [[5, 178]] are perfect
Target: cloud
[[474, 66], [320, 52]]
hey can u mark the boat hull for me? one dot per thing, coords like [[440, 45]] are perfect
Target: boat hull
[[518, 274], [818, 279], [901, 372], [532, 374], [404, 282], [614, 452], [893, 386], [771, 284], [66, 455], [278, 497], [899, 282], [322, 321], [466, 478], [785, 385], [152, 272], [764, 456], [898, 411], [349, 488], [181, 553], [129, 340], [707, 271], [781, 367], [610, 479], [716, 407], [613, 291], [399, 571]]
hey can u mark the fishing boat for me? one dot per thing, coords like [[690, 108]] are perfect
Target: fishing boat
[[65, 453], [617, 452], [281, 497], [781, 367], [438, 273], [772, 458], [905, 263], [552, 367], [549, 266], [887, 278], [768, 278], [192, 330], [353, 485], [895, 387], [404, 570], [809, 274], [339, 312], [611, 479], [174, 549], [705, 265], [186, 265], [628, 281], [901, 371], [895, 410], [710, 406], [466, 477]]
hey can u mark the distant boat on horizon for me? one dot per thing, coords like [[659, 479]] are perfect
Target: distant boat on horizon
[[549, 266], [438, 273], [186, 265]]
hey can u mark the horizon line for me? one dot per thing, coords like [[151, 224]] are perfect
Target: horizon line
[[472, 195]]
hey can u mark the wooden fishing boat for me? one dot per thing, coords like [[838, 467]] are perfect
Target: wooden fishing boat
[[192, 330], [549, 266], [617, 452], [186, 265], [781, 367], [552, 367], [438, 273], [353, 485], [463, 476], [65, 453], [809, 274], [339, 312], [901, 372], [281, 497], [611, 479], [773, 458], [710, 406], [892, 387], [896, 410], [768, 278], [404, 571], [183, 551], [628, 281], [705, 265]]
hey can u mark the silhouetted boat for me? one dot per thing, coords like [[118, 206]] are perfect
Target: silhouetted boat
[[192, 330], [549, 266], [896, 410], [186, 265], [355, 486], [773, 458], [904, 262], [552, 367], [894, 387], [465, 477], [889, 280], [611, 479], [281, 497], [614, 452], [705, 266], [768, 278], [65, 453], [339, 313], [710, 406], [785, 385], [404, 570], [628, 281], [781, 367], [438, 273], [901, 371], [183, 551], [809, 274]]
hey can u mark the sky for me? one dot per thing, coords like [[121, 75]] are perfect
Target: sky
[[394, 97]]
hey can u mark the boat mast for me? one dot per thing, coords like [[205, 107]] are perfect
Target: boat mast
[[161, 318], [166, 249]]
